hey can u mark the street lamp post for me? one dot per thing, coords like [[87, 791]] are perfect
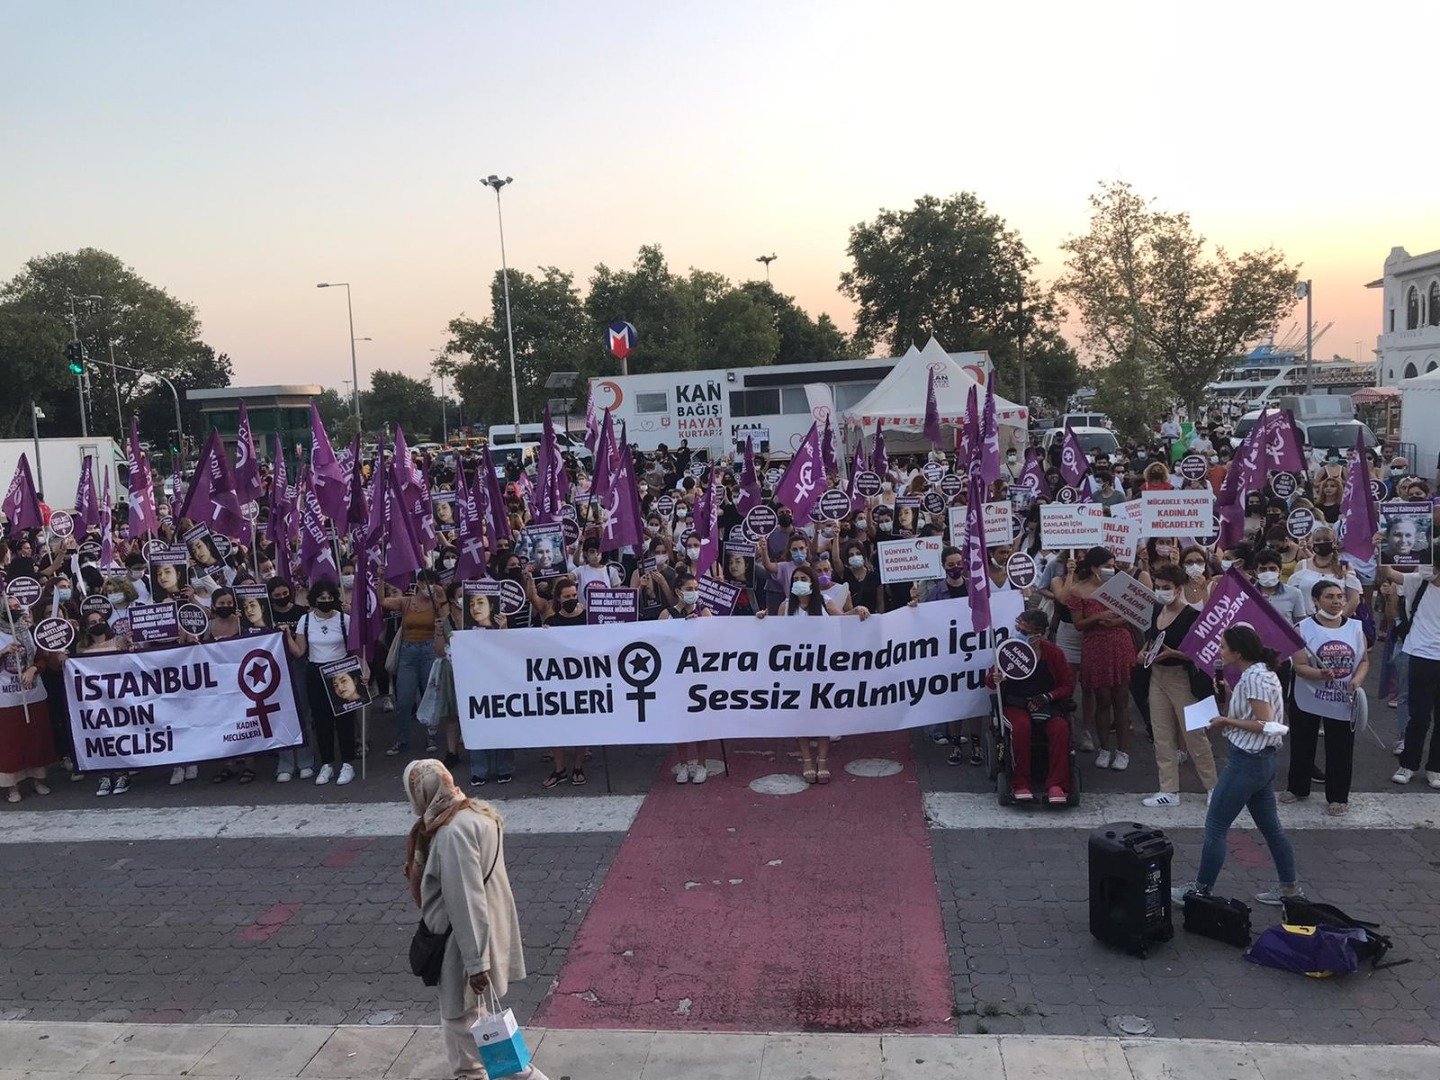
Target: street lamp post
[[767, 260], [495, 182], [439, 369], [1305, 292], [174, 396], [80, 375], [354, 363], [36, 415]]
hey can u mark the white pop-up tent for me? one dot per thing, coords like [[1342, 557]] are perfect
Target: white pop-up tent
[[1419, 409], [899, 401]]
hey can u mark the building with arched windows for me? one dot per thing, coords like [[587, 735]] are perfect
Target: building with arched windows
[[1409, 341]]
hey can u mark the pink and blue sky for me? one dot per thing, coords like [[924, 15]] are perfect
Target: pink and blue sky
[[239, 153]]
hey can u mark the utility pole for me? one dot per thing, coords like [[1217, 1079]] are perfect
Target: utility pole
[[767, 260]]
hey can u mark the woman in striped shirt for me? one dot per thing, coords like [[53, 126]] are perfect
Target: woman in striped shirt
[[1255, 709]]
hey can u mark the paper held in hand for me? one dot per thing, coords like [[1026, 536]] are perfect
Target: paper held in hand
[[1128, 598], [1200, 714]]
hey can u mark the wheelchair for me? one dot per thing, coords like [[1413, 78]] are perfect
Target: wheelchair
[[1000, 763]]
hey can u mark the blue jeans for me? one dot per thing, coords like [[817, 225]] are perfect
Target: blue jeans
[[294, 758], [411, 671], [1402, 693], [485, 764], [1248, 782]]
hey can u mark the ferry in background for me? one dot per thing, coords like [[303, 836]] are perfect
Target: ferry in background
[[1270, 372]]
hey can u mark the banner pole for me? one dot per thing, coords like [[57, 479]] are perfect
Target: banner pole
[[20, 675]]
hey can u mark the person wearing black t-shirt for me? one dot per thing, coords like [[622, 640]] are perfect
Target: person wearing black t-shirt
[[566, 610], [285, 612]]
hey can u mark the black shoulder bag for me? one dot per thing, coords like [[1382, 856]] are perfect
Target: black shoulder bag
[[427, 948]]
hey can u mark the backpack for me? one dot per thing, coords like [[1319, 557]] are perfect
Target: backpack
[[1372, 947], [1402, 622], [1317, 951]]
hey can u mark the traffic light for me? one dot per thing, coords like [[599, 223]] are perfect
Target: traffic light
[[75, 353]]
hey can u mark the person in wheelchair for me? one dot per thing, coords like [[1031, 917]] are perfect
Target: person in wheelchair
[[1042, 699]]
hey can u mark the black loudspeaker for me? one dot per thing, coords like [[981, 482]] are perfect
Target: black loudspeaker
[[1130, 886]]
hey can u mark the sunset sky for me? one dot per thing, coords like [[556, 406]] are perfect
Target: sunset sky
[[237, 154]]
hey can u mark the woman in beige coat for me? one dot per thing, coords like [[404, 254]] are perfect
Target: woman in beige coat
[[455, 863]]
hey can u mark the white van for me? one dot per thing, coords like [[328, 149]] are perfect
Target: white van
[[1091, 439]]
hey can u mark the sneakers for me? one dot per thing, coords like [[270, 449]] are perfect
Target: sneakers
[[104, 788], [1179, 892], [1433, 779], [1120, 762], [504, 778], [1057, 796], [1402, 775], [1087, 742], [280, 778], [387, 703], [1272, 897], [682, 773], [698, 773], [326, 775], [192, 772], [1398, 748], [395, 748], [1288, 797], [122, 784], [177, 776], [477, 781], [1024, 795], [1103, 759], [957, 757], [306, 774], [1162, 798], [347, 774]]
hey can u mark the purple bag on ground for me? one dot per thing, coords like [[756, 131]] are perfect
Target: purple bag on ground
[[1317, 951]]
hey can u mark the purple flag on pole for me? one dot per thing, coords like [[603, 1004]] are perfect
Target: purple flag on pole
[[1282, 444], [1033, 476], [211, 500], [614, 492], [707, 525], [469, 535], [977, 559], [107, 541], [1359, 516], [409, 484], [628, 526], [932, 412], [592, 423], [142, 486], [22, 504], [327, 478], [1234, 600], [1073, 463], [367, 618], [317, 556], [277, 526], [750, 480], [879, 460], [803, 483], [357, 514], [87, 513], [247, 466], [499, 518], [967, 436], [990, 470]]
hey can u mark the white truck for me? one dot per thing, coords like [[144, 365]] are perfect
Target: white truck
[[57, 474]]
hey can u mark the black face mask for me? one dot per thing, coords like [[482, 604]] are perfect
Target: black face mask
[[224, 612], [329, 603], [786, 520], [280, 601], [1324, 548], [569, 606]]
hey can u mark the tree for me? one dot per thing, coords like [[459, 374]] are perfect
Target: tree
[[398, 399], [1149, 295], [150, 330], [1052, 370], [803, 340]]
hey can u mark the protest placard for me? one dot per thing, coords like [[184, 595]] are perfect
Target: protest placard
[[1129, 598], [604, 606], [910, 560], [1077, 525], [1178, 513]]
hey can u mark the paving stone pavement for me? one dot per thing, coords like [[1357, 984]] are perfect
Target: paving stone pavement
[[255, 931], [1016, 913]]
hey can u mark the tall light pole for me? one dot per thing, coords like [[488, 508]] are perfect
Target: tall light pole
[[1305, 292], [80, 375], [174, 396], [36, 415], [438, 366], [767, 260], [354, 364], [493, 181]]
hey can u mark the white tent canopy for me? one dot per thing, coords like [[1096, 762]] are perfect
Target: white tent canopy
[[1419, 408], [899, 400]]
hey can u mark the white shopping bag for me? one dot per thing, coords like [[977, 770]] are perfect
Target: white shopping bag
[[502, 1044]]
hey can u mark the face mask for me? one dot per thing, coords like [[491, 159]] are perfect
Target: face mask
[[825, 580], [64, 595], [100, 631], [1268, 578], [448, 564], [859, 523], [955, 573], [327, 604], [642, 488], [1195, 570], [115, 598], [1324, 548], [856, 561], [347, 580], [800, 588], [797, 556], [1106, 573], [887, 486], [281, 601], [1010, 458], [681, 513], [688, 597], [1397, 472], [568, 606], [224, 612], [1165, 596], [785, 521], [1225, 564], [886, 526], [136, 575], [267, 575]]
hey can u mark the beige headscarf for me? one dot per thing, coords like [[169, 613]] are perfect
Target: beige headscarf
[[436, 799]]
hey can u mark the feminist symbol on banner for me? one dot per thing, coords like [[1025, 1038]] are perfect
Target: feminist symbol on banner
[[639, 664], [1300, 523], [1067, 495], [98, 602], [772, 477], [24, 589], [153, 548], [572, 530], [223, 544], [761, 521], [1283, 484], [665, 506], [251, 511], [868, 484], [259, 678], [1377, 490], [1020, 570], [1210, 538], [1193, 467], [1016, 659]]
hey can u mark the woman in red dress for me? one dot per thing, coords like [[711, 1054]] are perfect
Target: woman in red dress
[[26, 748], [1107, 653]]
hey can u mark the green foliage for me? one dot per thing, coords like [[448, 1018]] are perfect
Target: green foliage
[[803, 340], [398, 399], [151, 331], [1151, 297]]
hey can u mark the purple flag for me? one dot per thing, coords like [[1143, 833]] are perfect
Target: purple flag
[[211, 500], [499, 523], [932, 412], [469, 533], [1247, 470], [107, 541], [879, 460], [977, 559], [615, 492], [750, 480], [592, 423], [1235, 601], [357, 514], [247, 466], [803, 483], [990, 470], [142, 486], [1073, 463], [413, 494], [317, 556], [402, 552], [707, 525], [87, 513], [1033, 477], [367, 618], [327, 478], [827, 448], [1282, 444], [857, 501], [1359, 516]]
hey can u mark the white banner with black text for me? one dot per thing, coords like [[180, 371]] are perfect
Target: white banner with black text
[[137, 710], [682, 680]]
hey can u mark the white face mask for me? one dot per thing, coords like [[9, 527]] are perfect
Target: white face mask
[[116, 598], [1268, 578], [1225, 564], [1165, 596], [856, 561], [347, 580], [688, 597], [1195, 570], [1107, 572], [693, 553], [859, 523], [681, 512], [800, 588]]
